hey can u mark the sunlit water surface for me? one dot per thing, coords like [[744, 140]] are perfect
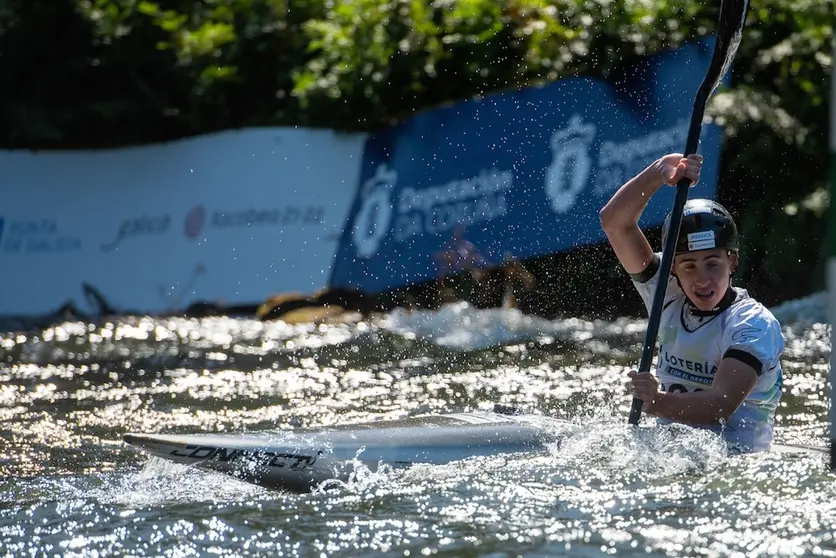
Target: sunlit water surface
[[69, 487]]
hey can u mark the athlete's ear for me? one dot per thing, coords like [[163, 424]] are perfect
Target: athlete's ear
[[734, 261]]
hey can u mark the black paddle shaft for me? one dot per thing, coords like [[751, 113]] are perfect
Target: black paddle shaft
[[729, 32]]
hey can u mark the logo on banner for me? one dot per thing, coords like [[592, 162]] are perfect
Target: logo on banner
[[138, 226], [195, 221], [37, 236], [569, 171], [198, 218], [374, 217], [619, 160], [408, 212]]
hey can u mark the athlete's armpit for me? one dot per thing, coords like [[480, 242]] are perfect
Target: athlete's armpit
[[647, 273]]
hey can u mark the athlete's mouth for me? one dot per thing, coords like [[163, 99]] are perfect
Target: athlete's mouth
[[704, 294]]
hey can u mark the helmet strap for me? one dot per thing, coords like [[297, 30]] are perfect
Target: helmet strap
[[678, 283]]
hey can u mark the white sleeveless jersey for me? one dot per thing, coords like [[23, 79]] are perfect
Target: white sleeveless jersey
[[691, 348]]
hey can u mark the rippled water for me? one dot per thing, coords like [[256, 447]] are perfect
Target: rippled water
[[69, 487]]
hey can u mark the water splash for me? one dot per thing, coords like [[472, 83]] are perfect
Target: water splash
[[162, 482]]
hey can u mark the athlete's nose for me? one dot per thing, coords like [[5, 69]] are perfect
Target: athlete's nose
[[703, 280]]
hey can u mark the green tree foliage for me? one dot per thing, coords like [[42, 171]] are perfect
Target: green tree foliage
[[384, 59], [95, 73]]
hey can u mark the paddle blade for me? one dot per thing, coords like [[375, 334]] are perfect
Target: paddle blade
[[729, 34]]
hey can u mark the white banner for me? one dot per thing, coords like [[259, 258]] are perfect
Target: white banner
[[227, 218]]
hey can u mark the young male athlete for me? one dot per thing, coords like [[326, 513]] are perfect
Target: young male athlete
[[719, 349]]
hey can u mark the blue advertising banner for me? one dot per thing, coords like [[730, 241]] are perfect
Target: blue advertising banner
[[522, 172]]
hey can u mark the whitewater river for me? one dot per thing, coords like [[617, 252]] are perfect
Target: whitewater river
[[70, 487]]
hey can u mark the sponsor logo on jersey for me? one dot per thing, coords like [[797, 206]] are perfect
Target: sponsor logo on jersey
[[703, 368], [688, 377]]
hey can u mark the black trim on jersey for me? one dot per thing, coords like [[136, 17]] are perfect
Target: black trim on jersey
[[688, 308], [647, 273], [746, 358], [725, 302]]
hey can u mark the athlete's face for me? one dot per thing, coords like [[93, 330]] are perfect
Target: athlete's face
[[705, 275]]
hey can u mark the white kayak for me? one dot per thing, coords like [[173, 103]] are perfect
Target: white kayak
[[298, 460]]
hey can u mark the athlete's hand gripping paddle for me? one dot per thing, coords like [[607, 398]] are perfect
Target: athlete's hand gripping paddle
[[729, 32]]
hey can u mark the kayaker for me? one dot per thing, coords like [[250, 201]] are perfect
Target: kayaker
[[718, 362]]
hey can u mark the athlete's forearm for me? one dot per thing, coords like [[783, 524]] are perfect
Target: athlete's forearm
[[699, 407], [626, 206]]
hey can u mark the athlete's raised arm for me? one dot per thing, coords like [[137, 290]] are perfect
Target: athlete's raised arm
[[620, 216]]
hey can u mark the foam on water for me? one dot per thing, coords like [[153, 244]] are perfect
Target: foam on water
[[464, 327], [461, 326]]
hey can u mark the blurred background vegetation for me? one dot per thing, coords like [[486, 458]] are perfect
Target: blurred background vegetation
[[105, 73]]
